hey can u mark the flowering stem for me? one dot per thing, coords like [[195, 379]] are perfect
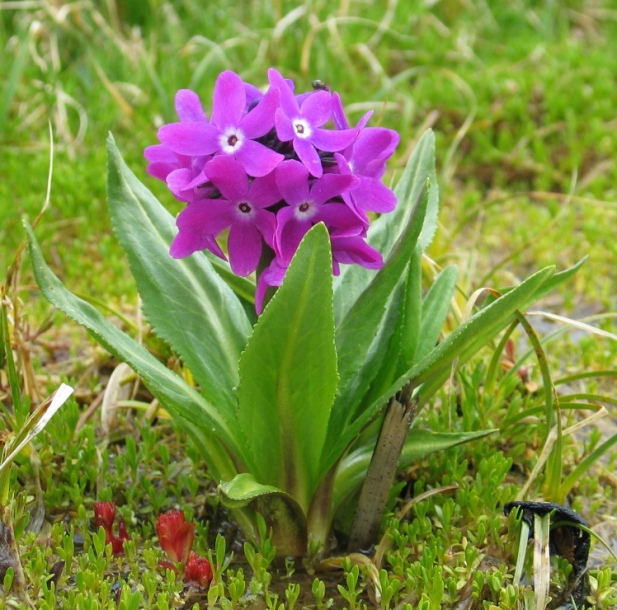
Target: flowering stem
[[382, 469]]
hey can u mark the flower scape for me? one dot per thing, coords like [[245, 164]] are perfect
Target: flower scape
[[265, 168]]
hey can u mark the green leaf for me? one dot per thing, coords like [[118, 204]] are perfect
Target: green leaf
[[280, 511], [420, 443], [463, 343], [385, 231], [411, 318], [242, 286], [435, 309], [362, 323], [180, 399], [288, 374], [363, 337], [480, 328], [186, 301]]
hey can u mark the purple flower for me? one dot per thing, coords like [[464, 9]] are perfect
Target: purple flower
[[366, 159], [232, 130], [179, 170], [352, 249], [265, 169], [346, 249], [308, 205], [192, 237], [241, 209], [300, 121]]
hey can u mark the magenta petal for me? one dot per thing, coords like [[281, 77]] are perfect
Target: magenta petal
[[160, 170], [364, 120], [160, 153], [178, 180], [264, 191], [190, 139], [229, 100], [257, 159], [292, 181], [209, 216], [244, 247], [351, 250], [252, 94], [374, 196], [271, 276], [342, 164], [333, 141], [286, 96], [289, 233], [266, 223], [188, 106], [187, 242], [371, 150], [284, 126], [260, 293], [341, 220], [338, 113], [308, 155], [259, 121], [317, 108], [198, 180], [331, 185], [229, 177]]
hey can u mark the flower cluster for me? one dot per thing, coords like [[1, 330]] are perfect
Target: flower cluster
[[104, 516], [265, 167], [176, 537]]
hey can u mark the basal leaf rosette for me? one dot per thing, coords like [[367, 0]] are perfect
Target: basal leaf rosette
[[264, 169]]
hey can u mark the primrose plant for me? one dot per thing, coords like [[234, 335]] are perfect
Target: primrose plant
[[295, 373]]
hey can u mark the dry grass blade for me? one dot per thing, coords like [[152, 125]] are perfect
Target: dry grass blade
[[575, 324], [119, 388], [35, 423], [541, 560]]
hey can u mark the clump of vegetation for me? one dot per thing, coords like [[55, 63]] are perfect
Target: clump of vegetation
[[520, 102]]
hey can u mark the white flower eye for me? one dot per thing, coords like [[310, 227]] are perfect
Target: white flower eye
[[302, 128], [231, 141]]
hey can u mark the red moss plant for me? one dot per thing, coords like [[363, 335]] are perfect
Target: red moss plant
[[176, 537], [104, 516]]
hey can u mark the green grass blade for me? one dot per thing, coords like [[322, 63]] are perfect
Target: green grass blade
[[187, 303], [572, 479], [476, 332], [11, 83], [16, 420], [435, 309]]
